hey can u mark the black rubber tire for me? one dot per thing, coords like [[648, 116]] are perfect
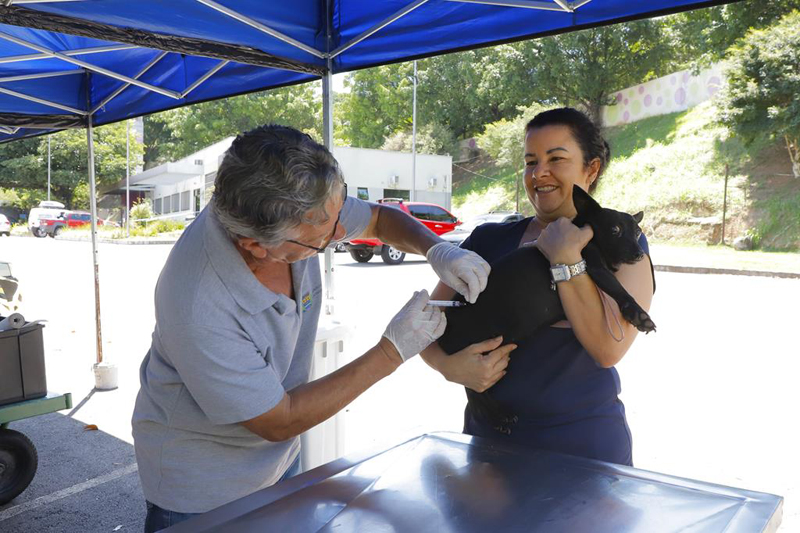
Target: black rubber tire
[[392, 256], [362, 256], [18, 463], [57, 231], [39, 233]]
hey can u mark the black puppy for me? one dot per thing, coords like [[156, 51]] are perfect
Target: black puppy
[[520, 297]]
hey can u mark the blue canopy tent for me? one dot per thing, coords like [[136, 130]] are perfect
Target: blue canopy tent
[[84, 63]]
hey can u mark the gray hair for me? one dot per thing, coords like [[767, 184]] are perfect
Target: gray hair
[[272, 179]]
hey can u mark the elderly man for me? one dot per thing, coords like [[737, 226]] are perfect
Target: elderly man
[[225, 389]]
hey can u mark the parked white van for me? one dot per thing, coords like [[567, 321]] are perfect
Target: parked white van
[[46, 210]]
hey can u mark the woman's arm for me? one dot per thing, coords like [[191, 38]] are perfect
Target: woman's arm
[[469, 367], [561, 242]]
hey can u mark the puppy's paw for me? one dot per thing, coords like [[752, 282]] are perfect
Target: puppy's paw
[[638, 317]]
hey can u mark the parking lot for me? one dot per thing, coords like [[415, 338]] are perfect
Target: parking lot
[[711, 396]]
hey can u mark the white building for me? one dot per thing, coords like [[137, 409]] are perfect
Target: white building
[[180, 189]]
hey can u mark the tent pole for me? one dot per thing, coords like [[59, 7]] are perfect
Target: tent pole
[[414, 140], [105, 374], [327, 138], [128, 177], [327, 135], [48, 168], [93, 208]]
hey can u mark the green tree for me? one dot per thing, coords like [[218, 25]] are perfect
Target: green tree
[[585, 68], [431, 139], [504, 139], [763, 84], [23, 164], [179, 132], [377, 106], [703, 36]]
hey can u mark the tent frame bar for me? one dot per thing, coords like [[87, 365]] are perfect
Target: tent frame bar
[[116, 93], [42, 101], [18, 2], [262, 28], [559, 5], [377, 27], [216, 68], [190, 46], [90, 67], [76, 52], [43, 75]]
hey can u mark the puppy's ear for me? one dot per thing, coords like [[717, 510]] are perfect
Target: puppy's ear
[[583, 202], [638, 217]]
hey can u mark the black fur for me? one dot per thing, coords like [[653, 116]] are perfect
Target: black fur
[[519, 298]]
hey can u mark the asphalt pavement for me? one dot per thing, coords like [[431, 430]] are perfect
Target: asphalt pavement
[[711, 395]]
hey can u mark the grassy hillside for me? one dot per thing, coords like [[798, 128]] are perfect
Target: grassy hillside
[[673, 168]]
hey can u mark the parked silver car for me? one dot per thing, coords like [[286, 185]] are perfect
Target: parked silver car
[[460, 234], [5, 226]]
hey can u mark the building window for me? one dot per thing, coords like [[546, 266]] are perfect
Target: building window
[[404, 194], [166, 205], [185, 201], [157, 206], [363, 193], [176, 206]]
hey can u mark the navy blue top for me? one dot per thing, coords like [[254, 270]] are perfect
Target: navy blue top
[[565, 401]]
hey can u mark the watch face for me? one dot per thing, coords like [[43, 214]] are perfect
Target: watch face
[[560, 272]]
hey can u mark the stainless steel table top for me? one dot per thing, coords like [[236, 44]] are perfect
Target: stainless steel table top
[[446, 482]]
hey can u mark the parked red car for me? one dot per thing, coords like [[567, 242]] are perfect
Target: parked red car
[[54, 226], [436, 218]]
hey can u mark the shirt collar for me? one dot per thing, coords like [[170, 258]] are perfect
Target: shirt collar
[[229, 265]]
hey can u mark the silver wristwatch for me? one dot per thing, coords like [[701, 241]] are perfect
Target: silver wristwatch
[[566, 272]]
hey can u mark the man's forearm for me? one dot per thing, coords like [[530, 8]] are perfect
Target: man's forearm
[[404, 232], [308, 405]]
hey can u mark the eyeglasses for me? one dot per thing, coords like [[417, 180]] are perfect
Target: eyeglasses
[[333, 232]]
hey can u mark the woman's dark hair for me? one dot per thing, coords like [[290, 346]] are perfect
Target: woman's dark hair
[[586, 133]]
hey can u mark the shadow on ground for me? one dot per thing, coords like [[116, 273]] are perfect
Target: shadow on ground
[[87, 481]]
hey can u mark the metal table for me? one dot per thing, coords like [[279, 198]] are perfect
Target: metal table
[[446, 482]]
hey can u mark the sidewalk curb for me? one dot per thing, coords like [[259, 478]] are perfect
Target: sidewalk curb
[[658, 268], [103, 240], [729, 271]]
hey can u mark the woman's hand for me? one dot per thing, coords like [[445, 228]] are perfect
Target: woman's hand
[[561, 241], [476, 371]]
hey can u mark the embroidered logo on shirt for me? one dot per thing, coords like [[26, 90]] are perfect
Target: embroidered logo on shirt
[[307, 302]]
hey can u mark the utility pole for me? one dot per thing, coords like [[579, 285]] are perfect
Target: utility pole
[[414, 139]]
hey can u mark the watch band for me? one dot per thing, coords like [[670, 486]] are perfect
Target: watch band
[[561, 273], [578, 268]]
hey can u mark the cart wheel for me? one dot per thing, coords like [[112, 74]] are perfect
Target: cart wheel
[[18, 462]]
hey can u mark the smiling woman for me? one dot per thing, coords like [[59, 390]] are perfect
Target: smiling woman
[[561, 382]]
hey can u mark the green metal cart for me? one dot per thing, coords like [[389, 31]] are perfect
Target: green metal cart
[[18, 457]]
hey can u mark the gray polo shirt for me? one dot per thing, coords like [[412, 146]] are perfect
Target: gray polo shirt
[[225, 349]]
